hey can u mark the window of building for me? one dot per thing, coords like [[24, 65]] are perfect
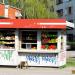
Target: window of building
[[59, 1], [70, 0], [70, 20], [69, 10], [60, 12], [1, 1], [70, 37]]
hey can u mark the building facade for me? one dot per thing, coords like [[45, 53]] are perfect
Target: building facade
[[66, 9]]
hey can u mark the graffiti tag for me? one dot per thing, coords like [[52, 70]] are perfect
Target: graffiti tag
[[33, 58], [39, 59], [6, 55], [49, 59]]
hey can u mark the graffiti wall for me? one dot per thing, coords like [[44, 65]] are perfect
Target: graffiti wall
[[8, 57], [40, 59]]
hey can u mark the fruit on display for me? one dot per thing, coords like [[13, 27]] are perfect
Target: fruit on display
[[43, 46], [44, 35], [46, 40], [7, 39], [56, 40], [52, 41], [49, 40], [52, 47], [34, 48]]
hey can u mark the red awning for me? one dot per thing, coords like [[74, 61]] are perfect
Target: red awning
[[33, 23]]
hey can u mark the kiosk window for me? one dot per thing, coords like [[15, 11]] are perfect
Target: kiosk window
[[49, 40], [7, 39], [29, 40]]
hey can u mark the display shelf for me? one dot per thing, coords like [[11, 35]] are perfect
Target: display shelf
[[30, 39], [6, 49], [49, 43], [7, 44], [29, 46], [39, 51], [7, 39], [49, 40], [28, 43]]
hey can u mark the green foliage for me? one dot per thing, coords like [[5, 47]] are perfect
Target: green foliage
[[71, 61], [35, 8], [10, 2]]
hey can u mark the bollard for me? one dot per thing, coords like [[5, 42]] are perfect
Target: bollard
[[73, 71]]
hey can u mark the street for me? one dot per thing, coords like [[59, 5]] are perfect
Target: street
[[37, 71]]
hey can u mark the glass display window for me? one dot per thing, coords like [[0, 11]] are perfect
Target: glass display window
[[7, 39], [29, 40], [39, 40], [48, 40]]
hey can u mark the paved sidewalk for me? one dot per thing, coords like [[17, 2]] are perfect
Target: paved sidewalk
[[70, 54], [37, 71]]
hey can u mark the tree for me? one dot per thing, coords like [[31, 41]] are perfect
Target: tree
[[12, 2], [35, 8]]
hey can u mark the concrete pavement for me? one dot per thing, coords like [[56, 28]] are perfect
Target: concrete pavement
[[70, 54], [37, 71]]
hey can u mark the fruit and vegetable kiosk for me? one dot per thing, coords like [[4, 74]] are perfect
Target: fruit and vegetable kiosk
[[40, 42]]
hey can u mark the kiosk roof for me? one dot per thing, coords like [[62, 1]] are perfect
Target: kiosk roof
[[33, 23]]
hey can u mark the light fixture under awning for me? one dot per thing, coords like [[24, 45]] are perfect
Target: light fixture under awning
[[69, 24]]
